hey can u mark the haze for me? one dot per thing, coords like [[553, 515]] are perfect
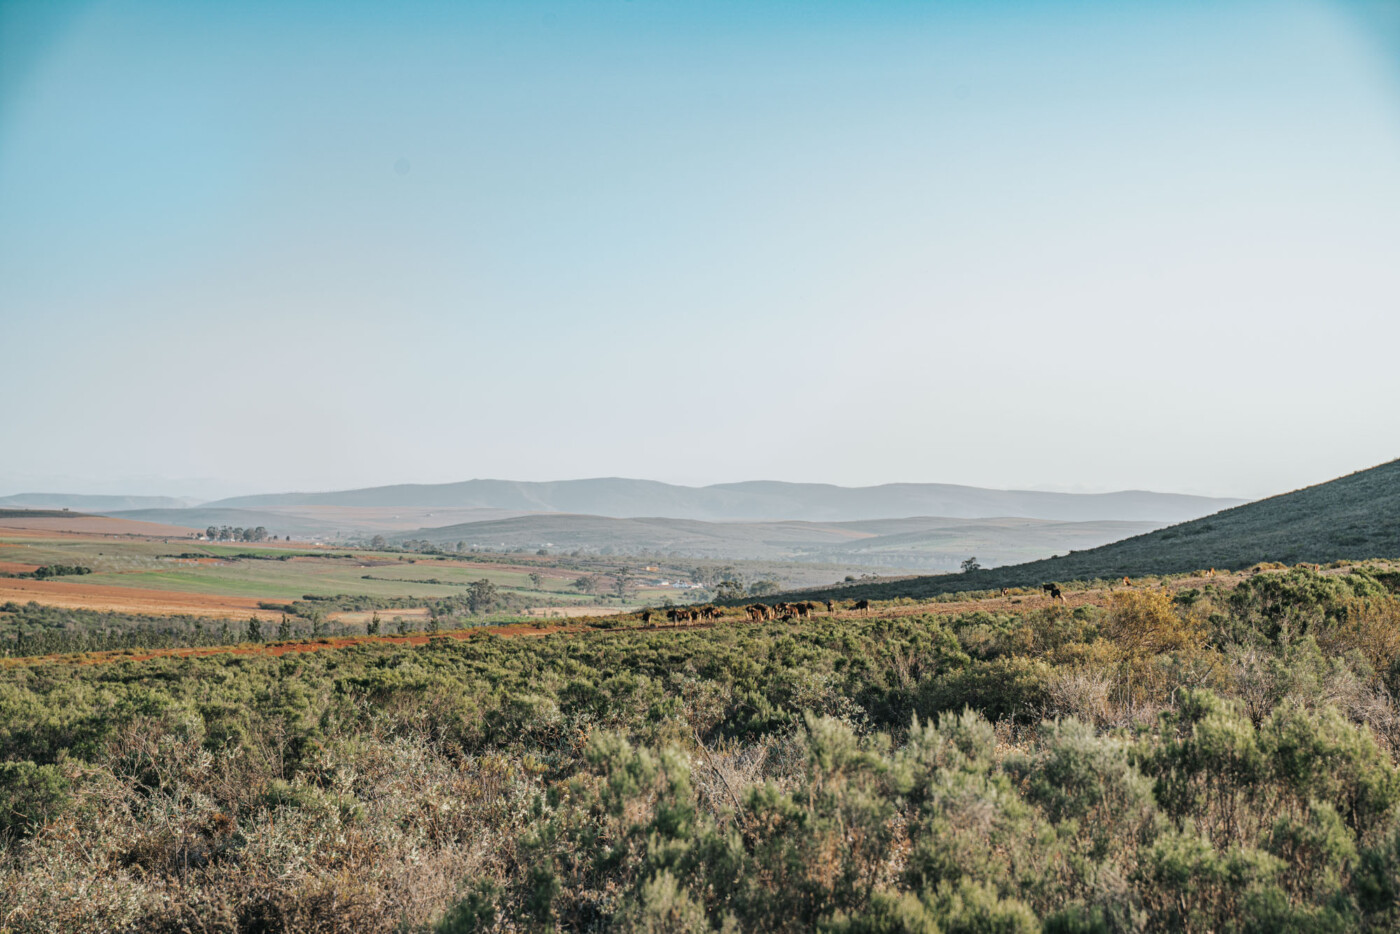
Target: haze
[[1074, 246]]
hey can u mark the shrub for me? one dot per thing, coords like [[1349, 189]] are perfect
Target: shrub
[[30, 795]]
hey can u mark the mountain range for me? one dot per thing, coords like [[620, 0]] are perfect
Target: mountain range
[[757, 500]]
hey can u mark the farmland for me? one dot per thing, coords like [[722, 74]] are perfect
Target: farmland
[[983, 762], [134, 571]]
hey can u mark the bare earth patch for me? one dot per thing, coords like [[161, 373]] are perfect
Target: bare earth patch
[[78, 596]]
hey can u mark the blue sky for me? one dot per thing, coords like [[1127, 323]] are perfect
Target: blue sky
[[1065, 245]]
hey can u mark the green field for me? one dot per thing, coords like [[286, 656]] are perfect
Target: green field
[[150, 565]]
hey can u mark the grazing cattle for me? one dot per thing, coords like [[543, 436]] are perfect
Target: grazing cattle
[[673, 616], [1006, 591], [1127, 583], [830, 606], [1054, 591], [755, 613], [861, 605], [804, 610], [646, 617]]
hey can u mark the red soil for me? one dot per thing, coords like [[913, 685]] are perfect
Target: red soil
[[92, 525], [75, 595]]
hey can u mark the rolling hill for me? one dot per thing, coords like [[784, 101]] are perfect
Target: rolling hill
[[92, 503], [758, 500], [1353, 517], [312, 521], [916, 543], [200, 517]]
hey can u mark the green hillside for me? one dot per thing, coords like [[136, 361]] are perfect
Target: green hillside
[[1356, 516]]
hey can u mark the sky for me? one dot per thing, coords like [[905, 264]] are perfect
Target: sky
[[1053, 245]]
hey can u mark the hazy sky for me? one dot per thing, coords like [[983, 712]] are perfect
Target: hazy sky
[[1066, 245]]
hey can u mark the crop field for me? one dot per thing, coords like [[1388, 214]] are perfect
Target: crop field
[[45, 524], [153, 575]]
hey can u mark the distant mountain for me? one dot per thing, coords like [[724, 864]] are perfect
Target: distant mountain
[[1354, 517], [917, 543], [93, 503], [760, 500]]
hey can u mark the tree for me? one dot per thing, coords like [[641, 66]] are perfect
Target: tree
[[211, 533], [729, 590], [372, 627], [254, 629], [970, 565], [622, 582], [763, 588], [481, 596], [378, 543], [402, 625], [284, 629], [537, 580]]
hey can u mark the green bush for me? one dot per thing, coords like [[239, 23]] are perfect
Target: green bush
[[29, 795]]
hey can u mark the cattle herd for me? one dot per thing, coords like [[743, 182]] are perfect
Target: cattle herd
[[757, 612], [786, 612]]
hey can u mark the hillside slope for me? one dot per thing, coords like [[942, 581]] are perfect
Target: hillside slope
[[760, 500], [199, 517], [916, 543], [1356, 516]]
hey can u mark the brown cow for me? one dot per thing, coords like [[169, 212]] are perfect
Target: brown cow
[[755, 613], [830, 606], [861, 606]]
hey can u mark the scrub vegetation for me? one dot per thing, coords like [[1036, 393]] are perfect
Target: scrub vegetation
[[1215, 759]]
